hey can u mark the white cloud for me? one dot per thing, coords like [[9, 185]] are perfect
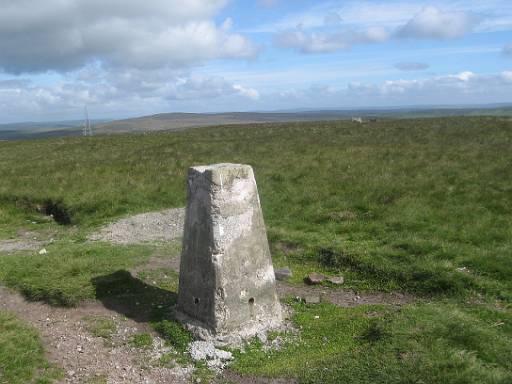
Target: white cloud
[[337, 33], [465, 76], [507, 76], [251, 93], [332, 18], [432, 23], [411, 66], [319, 42], [63, 35], [461, 88], [120, 93], [268, 3], [312, 42]]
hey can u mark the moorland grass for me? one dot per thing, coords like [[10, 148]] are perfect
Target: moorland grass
[[22, 357], [426, 343], [422, 206], [397, 204], [65, 275]]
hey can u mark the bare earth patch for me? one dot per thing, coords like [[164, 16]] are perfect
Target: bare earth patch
[[84, 357], [160, 226], [342, 297], [25, 241], [10, 246]]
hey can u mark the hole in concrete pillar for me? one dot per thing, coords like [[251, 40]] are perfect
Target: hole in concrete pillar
[[196, 300], [251, 307]]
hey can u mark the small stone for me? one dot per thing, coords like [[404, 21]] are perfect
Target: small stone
[[80, 349], [283, 273], [336, 280], [262, 336], [223, 355], [71, 373], [312, 299], [315, 278], [205, 350], [43, 251]]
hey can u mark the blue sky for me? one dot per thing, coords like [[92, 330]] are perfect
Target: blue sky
[[126, 58]]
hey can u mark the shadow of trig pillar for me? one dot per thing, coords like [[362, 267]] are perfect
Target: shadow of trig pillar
[[227, 286]]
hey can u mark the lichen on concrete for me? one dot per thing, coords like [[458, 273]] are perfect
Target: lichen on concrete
[[227, 286]]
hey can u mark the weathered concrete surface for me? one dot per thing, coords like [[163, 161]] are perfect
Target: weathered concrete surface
[[227, 286]]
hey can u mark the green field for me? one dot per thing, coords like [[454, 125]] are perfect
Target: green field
[[421, 206]]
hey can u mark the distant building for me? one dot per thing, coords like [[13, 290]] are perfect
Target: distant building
[[357, 120]]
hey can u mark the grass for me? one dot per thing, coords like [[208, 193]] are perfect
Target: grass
[[65, 275], [101, 379], [100, 326], [405, 202], [142, 340], [420, 205], [427, 343], [174, 333], [22, 357]]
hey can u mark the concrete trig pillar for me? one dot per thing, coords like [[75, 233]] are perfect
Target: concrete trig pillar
[[227, 286]]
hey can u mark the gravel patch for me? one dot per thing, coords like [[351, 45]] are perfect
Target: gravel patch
[[205, 351], [10, 246], [84, 357], [162, 226]]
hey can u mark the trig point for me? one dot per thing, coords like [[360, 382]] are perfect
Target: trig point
[[227, 285]]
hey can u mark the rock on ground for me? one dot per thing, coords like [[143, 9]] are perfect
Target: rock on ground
[[206, 351]]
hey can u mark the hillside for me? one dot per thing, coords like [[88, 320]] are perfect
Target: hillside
[[415, 208], [178, 121]]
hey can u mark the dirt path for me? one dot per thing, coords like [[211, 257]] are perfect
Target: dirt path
[[82, 356], [342, 297], [159, 226], [25, 241]]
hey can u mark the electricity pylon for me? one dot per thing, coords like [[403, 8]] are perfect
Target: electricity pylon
[[87, 131]]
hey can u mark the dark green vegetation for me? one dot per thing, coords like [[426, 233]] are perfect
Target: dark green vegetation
[[142, 340], [422, 206], [22, 354]]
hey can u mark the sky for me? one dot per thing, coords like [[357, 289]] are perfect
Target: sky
[[125, 58]]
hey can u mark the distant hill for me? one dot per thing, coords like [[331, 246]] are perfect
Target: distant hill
[[179, 121], [40, 130]]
